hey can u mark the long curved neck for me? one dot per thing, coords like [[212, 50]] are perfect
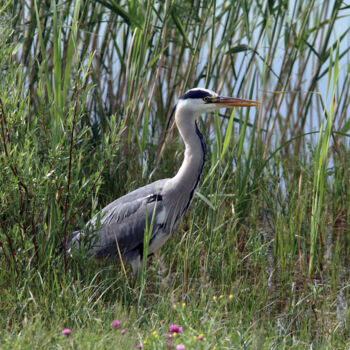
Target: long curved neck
[[188, 176]]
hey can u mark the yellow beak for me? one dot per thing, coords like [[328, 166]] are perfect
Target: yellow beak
[[232, 102]]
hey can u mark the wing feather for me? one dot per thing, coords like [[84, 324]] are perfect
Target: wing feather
[[125, 220]]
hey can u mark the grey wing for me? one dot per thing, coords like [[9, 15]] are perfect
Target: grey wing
[[125, 206], [125, 220]]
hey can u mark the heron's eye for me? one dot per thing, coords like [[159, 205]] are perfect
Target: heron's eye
[[206, 99]]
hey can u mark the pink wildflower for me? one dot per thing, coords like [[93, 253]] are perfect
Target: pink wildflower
[[123, 331], [201, 337], [139, 346], [66, 332], [180, 347], [168, 335], [175, 328], [116, 324]]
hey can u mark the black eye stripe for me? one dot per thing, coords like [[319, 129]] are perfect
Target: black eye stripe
[[195, 94]]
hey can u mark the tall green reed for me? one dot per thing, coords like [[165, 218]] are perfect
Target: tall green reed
[[317, 233]]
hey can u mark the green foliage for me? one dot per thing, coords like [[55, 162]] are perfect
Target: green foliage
[[86, 89]]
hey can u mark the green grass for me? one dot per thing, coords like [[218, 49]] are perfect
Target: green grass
[[261, 260]]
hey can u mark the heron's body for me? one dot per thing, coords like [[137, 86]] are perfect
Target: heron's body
[[126, 219]]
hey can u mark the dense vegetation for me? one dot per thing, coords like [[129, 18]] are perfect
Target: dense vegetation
[[262, 259]]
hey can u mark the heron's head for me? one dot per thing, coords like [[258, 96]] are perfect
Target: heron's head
[[197, 101]]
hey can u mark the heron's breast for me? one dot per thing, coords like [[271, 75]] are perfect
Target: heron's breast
[[158, 241]]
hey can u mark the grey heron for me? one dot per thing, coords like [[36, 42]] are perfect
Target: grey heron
[[121, 225]]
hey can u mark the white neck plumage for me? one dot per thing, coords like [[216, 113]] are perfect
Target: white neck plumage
[[187, 178]]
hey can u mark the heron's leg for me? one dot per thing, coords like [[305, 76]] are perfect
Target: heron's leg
[[136, 265]]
